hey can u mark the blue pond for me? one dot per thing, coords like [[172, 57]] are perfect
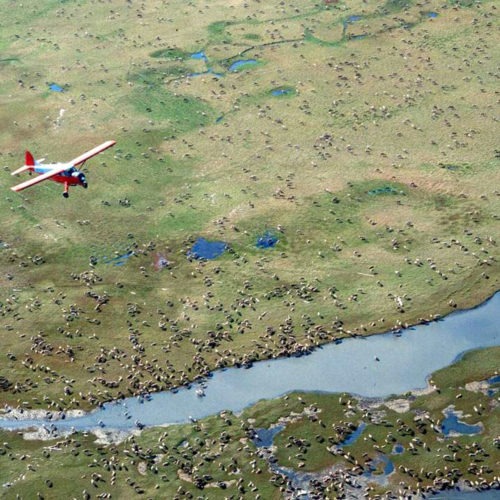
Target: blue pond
[[431, 14], [353, 437], [279, 92], [242, 63], [265, 437], [203, 249], [398, 449], [199, 55], [388, 465], [353, 19], [209, 71], [55, 88], [267, 240], [452, 424], [374, 467], [494, 383], [119, 260]]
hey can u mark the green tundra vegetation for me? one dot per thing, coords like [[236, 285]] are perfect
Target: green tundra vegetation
[[361, 137]]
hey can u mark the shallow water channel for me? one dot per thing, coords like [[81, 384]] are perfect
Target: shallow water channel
[[375, 366]]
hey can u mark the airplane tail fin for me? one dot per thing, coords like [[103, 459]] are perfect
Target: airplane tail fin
[[29, 160], [29, 164]]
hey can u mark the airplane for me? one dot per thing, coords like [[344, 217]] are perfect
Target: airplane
[[65, 173]]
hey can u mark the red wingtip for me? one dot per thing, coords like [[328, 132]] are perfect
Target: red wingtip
[[29, 161]]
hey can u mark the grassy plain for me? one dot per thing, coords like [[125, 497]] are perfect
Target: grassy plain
[[378, 173]]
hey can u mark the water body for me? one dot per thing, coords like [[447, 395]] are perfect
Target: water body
[[55, 88], [384, 190], [119, 260], [265, 437], [374, 470], [467, 495], [452, 424], [267, 240], [404, 363], [203, 249], [353, 19], [241, 64], [209, 72], [354, 436], [199, 55], [280, 92], [398, 449]]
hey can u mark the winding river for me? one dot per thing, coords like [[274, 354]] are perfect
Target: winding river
[[375, 366]]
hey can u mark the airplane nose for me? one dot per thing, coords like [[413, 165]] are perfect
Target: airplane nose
[[83, 180]]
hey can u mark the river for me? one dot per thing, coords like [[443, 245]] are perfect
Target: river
[[375, 366]]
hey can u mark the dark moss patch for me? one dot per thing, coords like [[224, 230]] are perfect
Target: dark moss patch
[[252, 36], [456, 167], [218, 32], [182, 112], [150, 76], [172, 54], [383, 190], [397, 5], [9, 60]]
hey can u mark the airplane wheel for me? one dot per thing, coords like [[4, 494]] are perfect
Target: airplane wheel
[[66, 195]]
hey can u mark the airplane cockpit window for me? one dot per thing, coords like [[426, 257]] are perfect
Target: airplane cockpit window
[[69, 172]]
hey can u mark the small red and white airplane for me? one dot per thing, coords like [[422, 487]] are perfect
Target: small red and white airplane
[[65, 173]]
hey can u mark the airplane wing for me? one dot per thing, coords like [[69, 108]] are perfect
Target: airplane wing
[[89, 154], [40, 178]]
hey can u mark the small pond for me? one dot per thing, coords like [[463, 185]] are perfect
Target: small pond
[[242, 64], [199, 55], [55, 88], [119, 260], [267, 240], [281, 91], [265, 437], [452, 425], [354, 436], [204, 249]]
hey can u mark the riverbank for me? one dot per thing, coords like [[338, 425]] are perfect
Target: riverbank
[[385, 364], [314, 449]]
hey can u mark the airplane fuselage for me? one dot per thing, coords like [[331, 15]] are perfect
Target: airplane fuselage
[[70, 177]]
